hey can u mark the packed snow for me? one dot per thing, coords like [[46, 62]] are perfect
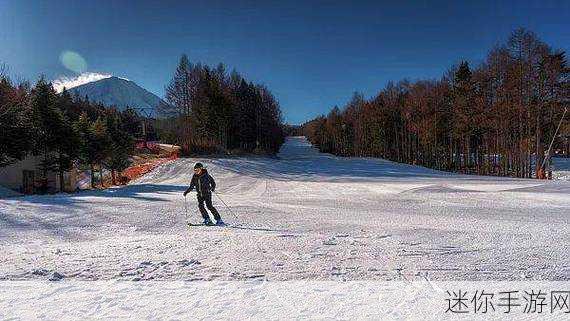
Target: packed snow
[[257, 300], [301, 216]]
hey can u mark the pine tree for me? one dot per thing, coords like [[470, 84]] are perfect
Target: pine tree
[[130, 122], [101, 145], [67, 150], [179, 97], [463, 112], [121, 146], [95, 145], [16, 138], [51, 133], [86, 155]]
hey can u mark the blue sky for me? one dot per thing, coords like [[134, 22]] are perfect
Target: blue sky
[[311, 54]]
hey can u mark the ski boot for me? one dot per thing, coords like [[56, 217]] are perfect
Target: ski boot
[[220, 223], [208, 222]]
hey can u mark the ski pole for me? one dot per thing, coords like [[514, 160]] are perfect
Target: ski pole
[[226, 205], [186, 211]]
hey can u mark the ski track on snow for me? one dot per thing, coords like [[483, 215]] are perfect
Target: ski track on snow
[[303, 215]]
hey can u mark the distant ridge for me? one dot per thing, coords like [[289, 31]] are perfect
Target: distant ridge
[[119, 92]]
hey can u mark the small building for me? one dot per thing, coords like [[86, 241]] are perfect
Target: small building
[[25, 177]]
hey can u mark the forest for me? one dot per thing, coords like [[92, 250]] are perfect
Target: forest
[[63, 131], [208, 110], [497, 118]]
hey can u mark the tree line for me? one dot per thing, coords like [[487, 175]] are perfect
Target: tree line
[[208, 110], [495, 119], [63, 131]]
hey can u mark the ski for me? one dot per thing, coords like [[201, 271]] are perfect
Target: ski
[[208, 225]]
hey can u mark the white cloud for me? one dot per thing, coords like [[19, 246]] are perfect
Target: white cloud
[[70, 82]]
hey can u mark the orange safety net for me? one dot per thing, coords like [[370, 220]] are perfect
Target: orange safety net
[[139, 170]]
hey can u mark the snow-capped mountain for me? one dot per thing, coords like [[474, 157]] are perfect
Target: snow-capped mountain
[[119, 92]]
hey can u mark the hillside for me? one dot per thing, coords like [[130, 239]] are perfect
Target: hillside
[[115, 91], [305, 215]]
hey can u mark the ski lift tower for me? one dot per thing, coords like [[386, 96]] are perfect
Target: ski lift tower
[[541, 173], [146, 112]]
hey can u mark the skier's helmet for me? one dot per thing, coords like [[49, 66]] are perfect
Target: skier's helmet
[[198, 165]]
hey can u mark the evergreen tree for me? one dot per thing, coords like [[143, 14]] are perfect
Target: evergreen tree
[[179, 97], [86, 153], [53, 134], [16, 138], [131, 122], [67, 150], [463, 112], [101, 145], [122, 144], [95, 145]]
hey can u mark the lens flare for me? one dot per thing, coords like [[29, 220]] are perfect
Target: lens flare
[[73, 61]]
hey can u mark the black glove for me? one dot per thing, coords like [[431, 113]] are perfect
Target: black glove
[[213, 189], [186, 192]]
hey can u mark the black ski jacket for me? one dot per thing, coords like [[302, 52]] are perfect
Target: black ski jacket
[[204, 183]]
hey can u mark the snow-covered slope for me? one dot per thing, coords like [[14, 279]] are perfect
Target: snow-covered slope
[[115, 91], [306, 215]]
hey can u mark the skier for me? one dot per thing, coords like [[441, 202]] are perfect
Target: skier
[[205, 185]]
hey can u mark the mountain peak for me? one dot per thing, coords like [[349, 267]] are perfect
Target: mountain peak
[[120, 79], [118, 92]]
